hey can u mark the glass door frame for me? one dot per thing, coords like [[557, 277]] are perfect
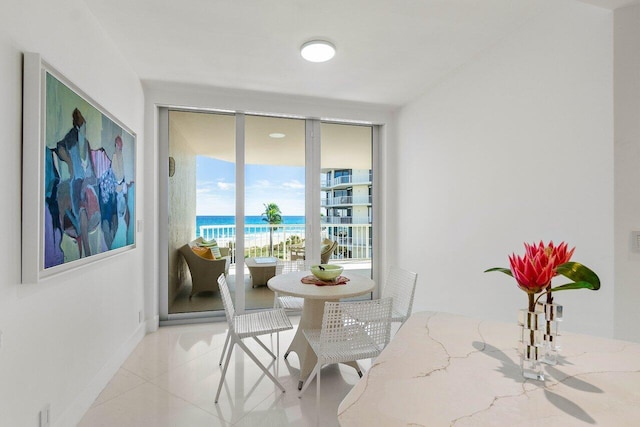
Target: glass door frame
[[313, 223]]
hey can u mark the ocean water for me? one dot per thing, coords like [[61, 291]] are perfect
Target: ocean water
[[252, 223]]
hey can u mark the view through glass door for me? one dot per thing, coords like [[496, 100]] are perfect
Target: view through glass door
[[346, 194], [201, 207], [274, 200], [201, 194]]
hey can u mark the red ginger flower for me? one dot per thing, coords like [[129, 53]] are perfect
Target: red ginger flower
[[557, 254], [533, 272]]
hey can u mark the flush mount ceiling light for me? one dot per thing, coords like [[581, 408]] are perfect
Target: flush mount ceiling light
[[277, 135], [317, 51]]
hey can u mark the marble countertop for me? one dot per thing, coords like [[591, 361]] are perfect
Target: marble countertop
[[447, 370]]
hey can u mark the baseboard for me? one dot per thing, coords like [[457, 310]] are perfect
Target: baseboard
[[85, 399], [153, 325]]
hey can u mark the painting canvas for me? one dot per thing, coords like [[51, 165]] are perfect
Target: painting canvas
[[88, 181]]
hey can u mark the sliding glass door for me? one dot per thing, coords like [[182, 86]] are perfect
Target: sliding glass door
[[201, 208], [274, 199], [346, 194], [264, 189]]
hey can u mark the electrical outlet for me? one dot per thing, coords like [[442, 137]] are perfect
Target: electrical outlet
[[45, 416], [140, 316], [635, 241]]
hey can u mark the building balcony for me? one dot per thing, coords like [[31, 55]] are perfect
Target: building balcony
[[337, 220], [346, 201], [345, 181]]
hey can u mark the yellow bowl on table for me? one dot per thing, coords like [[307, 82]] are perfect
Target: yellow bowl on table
[[326, 271]]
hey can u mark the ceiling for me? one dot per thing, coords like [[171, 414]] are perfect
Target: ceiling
[[388, 52], [213, 135]]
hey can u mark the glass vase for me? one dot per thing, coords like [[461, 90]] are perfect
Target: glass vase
[[531, 343], [552, 316]]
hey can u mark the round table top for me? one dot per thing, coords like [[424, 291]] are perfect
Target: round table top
[[251, 262], [290, 284]]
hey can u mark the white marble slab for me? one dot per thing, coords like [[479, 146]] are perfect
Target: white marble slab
[[447, 370]]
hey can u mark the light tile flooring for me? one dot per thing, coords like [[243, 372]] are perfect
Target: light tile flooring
[[172, 376]]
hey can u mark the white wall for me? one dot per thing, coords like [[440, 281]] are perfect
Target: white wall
[[62, 340], [516, 146], [627, 170]]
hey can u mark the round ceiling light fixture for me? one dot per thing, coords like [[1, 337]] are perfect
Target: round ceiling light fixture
[[277, 135], [317, 51]]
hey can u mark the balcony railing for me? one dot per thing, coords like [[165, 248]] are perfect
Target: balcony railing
[[257, 244], [357, 220], [346, 200], [345, 180]]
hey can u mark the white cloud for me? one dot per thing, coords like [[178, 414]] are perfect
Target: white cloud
[[293, 184], [262, 183], [226, 186]]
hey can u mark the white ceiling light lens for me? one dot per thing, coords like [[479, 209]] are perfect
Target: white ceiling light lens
[[317, 51], [277, 135]]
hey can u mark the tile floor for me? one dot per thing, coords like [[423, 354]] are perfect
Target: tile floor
[[172, 376]]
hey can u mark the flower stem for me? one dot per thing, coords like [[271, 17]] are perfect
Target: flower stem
[[540, 296], [532, 302], [549, 295]]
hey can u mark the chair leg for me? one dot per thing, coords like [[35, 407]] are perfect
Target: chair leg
[[318, 394], [265, 370], [265, 347], [226, 343], [224, 370]]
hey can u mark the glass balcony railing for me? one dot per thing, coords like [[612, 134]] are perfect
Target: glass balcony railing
[[345, 180], [346, 200], [356, 220]]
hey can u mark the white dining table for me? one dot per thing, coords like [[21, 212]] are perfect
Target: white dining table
[[313, 309], [442, 369]]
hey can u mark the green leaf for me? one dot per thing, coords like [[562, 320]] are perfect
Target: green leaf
[[574, 285], [502, 270], [579, 273]]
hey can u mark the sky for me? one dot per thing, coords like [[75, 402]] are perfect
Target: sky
[[215, 188]]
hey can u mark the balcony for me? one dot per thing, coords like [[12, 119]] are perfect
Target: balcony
[[355, 248], [345, 181], [337, 220], [346, 201]]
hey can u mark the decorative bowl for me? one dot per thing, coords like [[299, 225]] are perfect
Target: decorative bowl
[[330, 272]]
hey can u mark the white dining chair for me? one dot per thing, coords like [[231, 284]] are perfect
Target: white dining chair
[[247, 325], [287, 302], [401, 287], [351, 331]]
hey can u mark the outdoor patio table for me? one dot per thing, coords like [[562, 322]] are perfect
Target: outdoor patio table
[[314, 299], [261, 269]]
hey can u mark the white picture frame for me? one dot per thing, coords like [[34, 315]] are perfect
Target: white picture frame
[[78, 177]]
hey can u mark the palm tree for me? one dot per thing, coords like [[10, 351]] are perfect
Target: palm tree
[[272, 215]]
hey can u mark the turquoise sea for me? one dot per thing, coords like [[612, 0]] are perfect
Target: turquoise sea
[[252, 221]]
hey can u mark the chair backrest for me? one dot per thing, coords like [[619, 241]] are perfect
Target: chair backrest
[[283, 267], [227, 302], [401, 286], [326, 254], [344, 322], [280, 267]]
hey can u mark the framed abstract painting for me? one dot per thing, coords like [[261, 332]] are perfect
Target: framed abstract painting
[[79, 177]]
